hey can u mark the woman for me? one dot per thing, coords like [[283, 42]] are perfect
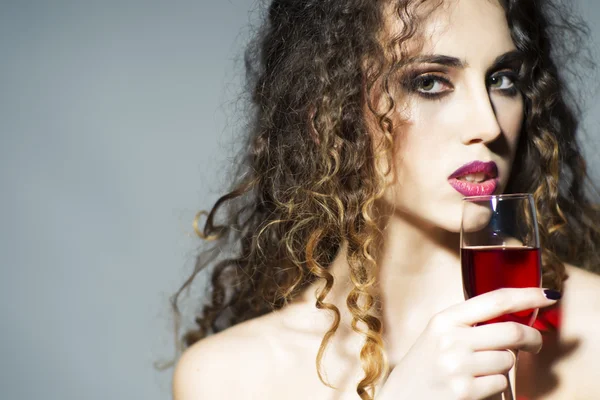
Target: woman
[[342, 228]]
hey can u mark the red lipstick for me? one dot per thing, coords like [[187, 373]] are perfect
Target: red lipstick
[[476, 178]]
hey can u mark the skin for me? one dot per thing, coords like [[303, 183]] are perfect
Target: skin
[[273, 357]]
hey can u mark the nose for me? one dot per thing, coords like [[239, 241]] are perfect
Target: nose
[[481, 125]]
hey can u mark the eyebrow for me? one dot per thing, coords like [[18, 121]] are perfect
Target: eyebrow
[[512, 58]]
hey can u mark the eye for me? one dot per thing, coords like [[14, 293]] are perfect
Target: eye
[[503, 81], [430, 85]]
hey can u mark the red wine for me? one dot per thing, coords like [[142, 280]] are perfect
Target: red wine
[[489, 268]]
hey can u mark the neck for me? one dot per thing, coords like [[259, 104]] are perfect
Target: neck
[[418, 275]]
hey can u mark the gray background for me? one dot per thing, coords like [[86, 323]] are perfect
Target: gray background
[[117, 121]]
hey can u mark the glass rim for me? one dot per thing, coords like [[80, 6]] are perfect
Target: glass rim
[[501, 246], [499, 197]]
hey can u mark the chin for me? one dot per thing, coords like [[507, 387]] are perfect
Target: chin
[[451, 224], [446, 218], [444, 214]]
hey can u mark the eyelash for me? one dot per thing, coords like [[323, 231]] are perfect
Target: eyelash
[[415, 82]]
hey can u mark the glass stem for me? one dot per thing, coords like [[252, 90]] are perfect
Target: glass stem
[[511, 391]]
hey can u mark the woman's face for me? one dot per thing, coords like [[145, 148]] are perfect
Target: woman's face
[[462, 113]]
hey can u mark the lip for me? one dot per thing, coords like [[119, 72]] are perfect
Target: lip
[[487, 187]]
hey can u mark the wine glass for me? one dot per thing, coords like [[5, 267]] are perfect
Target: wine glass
[[500, 248]]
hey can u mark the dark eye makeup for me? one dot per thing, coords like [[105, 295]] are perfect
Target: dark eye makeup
[[422, 84]]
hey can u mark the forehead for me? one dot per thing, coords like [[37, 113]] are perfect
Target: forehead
[[466, 29]]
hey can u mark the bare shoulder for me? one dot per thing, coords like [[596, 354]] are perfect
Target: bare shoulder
[[231, 364], [582, 277], [580, 328], [582, 297]]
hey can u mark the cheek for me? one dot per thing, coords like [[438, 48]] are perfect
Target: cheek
[[510, 113], [426, 141], [421, 147]]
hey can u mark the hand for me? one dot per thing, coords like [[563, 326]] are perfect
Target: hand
[[452, 359]]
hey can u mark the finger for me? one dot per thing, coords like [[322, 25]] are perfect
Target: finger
[[495, 304], [504, 335], [489, 385], [491, 362]]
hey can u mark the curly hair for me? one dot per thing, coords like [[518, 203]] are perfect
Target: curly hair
[[310, 172]]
